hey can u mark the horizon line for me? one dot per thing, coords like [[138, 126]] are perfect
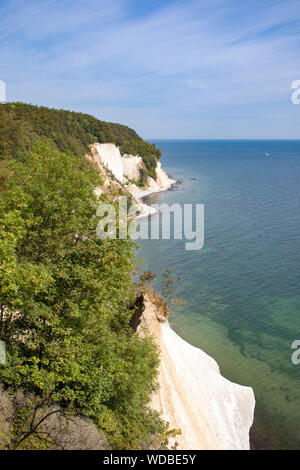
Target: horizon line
[[222, 139]]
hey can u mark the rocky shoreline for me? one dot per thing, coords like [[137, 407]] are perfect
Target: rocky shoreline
[[163, 183]]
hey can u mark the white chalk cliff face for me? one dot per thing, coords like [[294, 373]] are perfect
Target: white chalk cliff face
[[111, 157], [132, 166], [211, 412], [162, 179]]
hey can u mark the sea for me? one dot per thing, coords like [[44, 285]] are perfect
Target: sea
[[241, 292]]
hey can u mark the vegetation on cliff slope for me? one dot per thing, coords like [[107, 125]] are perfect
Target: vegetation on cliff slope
[[66, 297], [21, 124]]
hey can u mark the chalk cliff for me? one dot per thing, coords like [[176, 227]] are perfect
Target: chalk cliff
[[210, 411], [132, 166], [109, 154], [126, 169]]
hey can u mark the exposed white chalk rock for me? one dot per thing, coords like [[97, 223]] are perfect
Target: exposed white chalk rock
[[111, 157], [132, 166], [211, 412], [162, 179]]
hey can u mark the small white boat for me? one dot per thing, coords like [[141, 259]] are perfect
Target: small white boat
[[267, 154]]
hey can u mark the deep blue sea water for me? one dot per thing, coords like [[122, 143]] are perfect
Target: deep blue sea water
[[241, 291]]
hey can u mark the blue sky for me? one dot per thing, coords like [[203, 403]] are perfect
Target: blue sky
[[169, 69]]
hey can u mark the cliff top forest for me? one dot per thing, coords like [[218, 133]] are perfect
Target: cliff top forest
[[22, 124]]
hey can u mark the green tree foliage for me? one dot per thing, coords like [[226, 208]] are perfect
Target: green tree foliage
[[66, 297], [21, 124]]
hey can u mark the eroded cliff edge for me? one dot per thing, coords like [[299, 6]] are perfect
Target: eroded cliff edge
[[211, 412]]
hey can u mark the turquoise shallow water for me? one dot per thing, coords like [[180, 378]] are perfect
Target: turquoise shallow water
[[241, 291]]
